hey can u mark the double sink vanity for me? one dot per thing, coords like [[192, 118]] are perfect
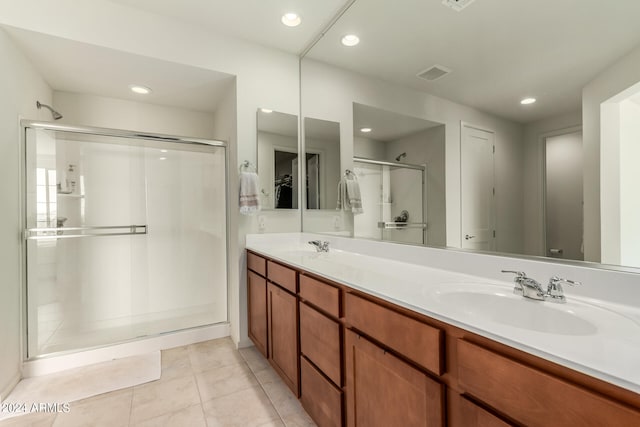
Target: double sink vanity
[[366, 337]]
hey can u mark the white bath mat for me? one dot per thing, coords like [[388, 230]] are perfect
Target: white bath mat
[[62, 388]]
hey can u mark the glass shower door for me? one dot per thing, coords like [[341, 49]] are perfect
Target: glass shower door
[[125, 238], [393, 202]]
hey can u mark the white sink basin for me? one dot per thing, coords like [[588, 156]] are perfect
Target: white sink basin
[[500, 306]]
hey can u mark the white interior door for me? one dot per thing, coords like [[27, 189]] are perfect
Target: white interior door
[[477, 188]]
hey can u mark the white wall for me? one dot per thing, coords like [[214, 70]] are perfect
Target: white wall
[[264, 77], [329, 93], [533, 177], [21, 86], [100, 111], [600, 164]]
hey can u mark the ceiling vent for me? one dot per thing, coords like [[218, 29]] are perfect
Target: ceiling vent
[[457, 5], [434, 73]]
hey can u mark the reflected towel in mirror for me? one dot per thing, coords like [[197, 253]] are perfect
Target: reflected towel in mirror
[[249, 193], [349, 197]]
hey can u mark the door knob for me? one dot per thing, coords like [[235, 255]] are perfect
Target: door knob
[[468, 237]]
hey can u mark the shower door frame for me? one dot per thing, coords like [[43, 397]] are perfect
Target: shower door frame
[[98, 131], [422, 168]]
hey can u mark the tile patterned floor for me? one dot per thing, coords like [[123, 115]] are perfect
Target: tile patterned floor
[[209, 384]]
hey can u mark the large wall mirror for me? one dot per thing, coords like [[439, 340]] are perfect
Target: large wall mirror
[[322, 167], [533, 117], [277, 141]]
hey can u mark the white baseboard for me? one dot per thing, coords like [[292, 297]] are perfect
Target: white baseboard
[[6, 389], [49, 365]]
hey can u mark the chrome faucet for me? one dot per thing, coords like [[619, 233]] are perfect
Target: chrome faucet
[[531, 288], [320, 246], [526, 286]]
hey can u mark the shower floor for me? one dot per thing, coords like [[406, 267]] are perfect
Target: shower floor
[[60, 331]]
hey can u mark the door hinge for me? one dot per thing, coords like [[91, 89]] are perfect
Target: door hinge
[[494, 234], [494, 191], [494, 149]]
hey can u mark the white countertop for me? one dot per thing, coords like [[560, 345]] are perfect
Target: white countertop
[[607, 347]]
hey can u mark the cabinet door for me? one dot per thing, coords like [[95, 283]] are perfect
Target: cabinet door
[[283, 335], [257, 308], [382, 390]]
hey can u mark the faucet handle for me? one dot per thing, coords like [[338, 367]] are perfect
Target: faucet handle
[[519, 274], [555, 291], [556, 281]]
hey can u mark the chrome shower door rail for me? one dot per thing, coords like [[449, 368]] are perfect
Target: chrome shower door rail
[[390, 225], [49, 233]]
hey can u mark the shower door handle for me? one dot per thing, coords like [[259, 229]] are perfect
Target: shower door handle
[[50, 233]]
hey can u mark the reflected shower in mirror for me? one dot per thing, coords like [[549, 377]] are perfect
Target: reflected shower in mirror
[[322, 151], [400, 164], [277, 159]]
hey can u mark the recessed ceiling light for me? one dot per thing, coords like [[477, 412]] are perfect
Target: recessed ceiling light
[[350, 40], [143, 90], [291, 19], [163, 151], [163, 158], [527, 101], [266, 110], [365, 130]]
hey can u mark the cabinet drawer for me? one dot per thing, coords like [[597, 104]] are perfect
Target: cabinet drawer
[[322, 295], [257, 264], [533, 397], [320, 341], [282, 276], [471, 415], [321, 399], [413, 339]]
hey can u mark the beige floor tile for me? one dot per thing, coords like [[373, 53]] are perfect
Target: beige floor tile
[[224, 380], [249, 407], [193, 416], [213, 354], [30, 420], [300, 419], [175, 363], [163, 397], [254, 359], [108, 410], [285, 402]]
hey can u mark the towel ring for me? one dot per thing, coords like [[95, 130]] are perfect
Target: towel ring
[[247, 166]]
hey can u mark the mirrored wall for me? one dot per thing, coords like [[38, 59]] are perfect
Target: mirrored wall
[[519, 126]]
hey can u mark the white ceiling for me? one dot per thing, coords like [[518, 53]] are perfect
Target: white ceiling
[[386, 125], [500, 51], [71, 66], [256, 21]]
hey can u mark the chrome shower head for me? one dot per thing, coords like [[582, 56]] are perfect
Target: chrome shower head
[[54, 113], [401, 156]]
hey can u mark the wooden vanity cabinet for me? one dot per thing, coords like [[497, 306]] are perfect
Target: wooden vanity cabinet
[[383, 390], [257, 301], [357, 360], [321, 375]]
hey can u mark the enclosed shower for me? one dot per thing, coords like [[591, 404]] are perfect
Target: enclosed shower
[[125, 236], [393, 201]]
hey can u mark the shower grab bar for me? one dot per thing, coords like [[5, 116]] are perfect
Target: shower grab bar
[[401, 225], [48, 233]]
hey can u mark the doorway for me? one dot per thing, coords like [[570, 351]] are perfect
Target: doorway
[[564, 196]]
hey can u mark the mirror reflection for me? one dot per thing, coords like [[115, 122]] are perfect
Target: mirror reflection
[[277, 141], [538, 108], [399, 163], [322, 151]]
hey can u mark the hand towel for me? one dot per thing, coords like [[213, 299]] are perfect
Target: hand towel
[[349, 197], [249, 193]]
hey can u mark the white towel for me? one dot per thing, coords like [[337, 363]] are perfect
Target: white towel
[[249, 193], [349, 197]]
